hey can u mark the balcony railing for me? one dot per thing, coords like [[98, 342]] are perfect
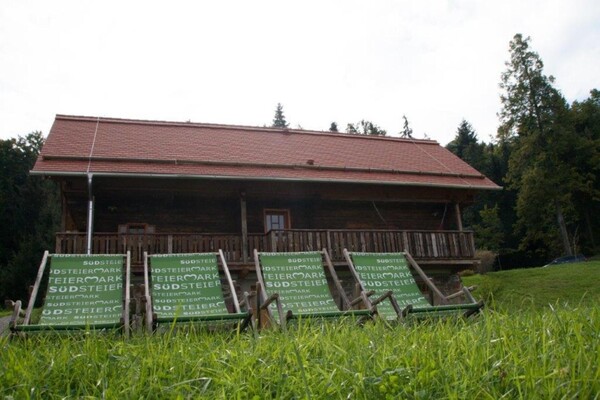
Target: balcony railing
[[423, 245]]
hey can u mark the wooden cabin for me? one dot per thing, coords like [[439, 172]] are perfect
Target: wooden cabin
[[176, 187]]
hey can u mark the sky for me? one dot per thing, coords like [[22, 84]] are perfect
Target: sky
[[231, 61]]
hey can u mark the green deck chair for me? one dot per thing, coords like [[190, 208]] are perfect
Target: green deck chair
[[187, 288], [294, 285], [84, 292], [381, 272]]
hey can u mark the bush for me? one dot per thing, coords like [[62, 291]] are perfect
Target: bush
[[487, 259]]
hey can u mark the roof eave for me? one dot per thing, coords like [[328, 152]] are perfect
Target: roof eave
[[247, 178]]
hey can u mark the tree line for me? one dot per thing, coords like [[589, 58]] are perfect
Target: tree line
[[29, 215], [362, 127]]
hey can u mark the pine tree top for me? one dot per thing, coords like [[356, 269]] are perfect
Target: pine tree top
[[279, 120]]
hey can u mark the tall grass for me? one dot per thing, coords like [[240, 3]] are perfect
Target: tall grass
[[540, 339], [553, 354]]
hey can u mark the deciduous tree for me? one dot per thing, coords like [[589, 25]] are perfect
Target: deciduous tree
[[407, 131], [364, 127]]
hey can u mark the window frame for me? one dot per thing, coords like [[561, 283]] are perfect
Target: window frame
[[285, 212]]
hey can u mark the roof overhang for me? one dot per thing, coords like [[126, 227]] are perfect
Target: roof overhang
[[260, 179]]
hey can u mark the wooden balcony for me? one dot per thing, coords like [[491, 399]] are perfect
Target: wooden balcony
[[428, 247]]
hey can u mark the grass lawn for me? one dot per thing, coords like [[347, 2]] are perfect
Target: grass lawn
[[517, 349], [522, 289]]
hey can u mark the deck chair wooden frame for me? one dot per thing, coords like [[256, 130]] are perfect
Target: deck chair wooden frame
[[470, 308], [26, 325], [265, 299], [153, 319]]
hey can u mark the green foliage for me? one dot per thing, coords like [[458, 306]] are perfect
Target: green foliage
[[364, 127], [333, 127], [586, 121], [466, 146], [529, 101], [29, 215], [489, 232], [542, 167], [279, 119], [547, 157]]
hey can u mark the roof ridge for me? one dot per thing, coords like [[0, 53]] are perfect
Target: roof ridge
[[265, 129]]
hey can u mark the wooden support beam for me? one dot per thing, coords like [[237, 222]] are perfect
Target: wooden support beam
[[90, 218], [244, 218], [458, 214], [63, 211]]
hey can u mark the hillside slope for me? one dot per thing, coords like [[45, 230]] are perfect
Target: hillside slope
[[572, 284]]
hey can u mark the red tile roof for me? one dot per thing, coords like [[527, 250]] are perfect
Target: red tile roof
[[103, 146]]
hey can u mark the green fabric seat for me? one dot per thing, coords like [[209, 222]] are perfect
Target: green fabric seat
[[382, 272], [188, 288], [294, 285], [84, 292]]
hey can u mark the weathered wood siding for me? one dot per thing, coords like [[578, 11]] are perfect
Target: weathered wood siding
[[178, 213], [187, 205]]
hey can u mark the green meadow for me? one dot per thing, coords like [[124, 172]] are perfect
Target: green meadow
[[539, 338]]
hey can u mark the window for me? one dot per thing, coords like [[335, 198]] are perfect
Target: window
[[277, 219], [136, 229]]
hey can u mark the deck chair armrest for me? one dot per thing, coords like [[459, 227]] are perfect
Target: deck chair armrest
[[406, 310], [455, 295], [362, 298], [265, 305], [272, 298], [389, 296], [465, 291]]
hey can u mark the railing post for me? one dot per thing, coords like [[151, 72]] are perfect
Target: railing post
[[472, 243], [273, 241]]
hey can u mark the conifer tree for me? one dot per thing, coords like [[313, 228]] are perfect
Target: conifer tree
[[279, 119], [535, 119]]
